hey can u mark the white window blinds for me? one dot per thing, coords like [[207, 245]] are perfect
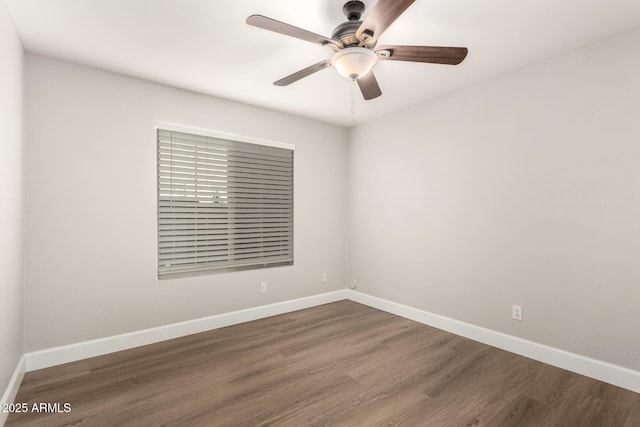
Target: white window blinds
[[222, 204]]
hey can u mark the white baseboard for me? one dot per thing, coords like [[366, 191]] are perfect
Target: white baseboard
[[597, 369], [10, 393], [83, 350]]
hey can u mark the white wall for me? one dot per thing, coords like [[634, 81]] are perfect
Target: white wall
[[11, 170], [90, 256], [524, 189]]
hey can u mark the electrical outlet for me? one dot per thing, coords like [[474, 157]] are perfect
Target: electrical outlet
[[324, 277], [516, 312], [263, 287]]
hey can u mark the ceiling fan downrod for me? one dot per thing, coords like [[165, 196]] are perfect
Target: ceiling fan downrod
[[353, 10]]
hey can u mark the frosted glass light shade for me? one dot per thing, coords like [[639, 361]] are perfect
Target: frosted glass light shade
[[354, 62]]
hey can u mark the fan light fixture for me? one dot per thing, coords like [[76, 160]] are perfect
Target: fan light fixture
[[354, 62]]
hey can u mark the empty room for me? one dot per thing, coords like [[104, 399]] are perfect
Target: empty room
[[321, 212]]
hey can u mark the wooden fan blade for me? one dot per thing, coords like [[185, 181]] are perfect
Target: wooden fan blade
[[303, 73], [429, 54], [369, 86], [383, 14], [289, 30]]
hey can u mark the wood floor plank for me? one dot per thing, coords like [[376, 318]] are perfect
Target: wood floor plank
[[339, 364]]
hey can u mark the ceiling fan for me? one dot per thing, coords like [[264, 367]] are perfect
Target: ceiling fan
[[354, 43]]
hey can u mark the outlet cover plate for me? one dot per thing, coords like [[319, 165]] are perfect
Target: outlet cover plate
[[516, 312]]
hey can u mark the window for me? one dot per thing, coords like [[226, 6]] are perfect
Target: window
[[222, 204]]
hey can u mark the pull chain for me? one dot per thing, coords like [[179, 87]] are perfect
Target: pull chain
[[353, 103]]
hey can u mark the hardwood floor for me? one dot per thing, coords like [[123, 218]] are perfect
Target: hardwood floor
[[336, 364]]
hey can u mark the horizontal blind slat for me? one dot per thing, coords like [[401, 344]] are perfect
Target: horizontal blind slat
[[166, 271], [167, 152]]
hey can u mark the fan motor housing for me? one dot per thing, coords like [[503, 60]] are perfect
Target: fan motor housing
[[345, 33]]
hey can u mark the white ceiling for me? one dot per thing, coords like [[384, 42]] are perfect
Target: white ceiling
[[206, 46]]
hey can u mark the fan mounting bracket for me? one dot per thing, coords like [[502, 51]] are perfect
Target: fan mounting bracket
[[366, 35]]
